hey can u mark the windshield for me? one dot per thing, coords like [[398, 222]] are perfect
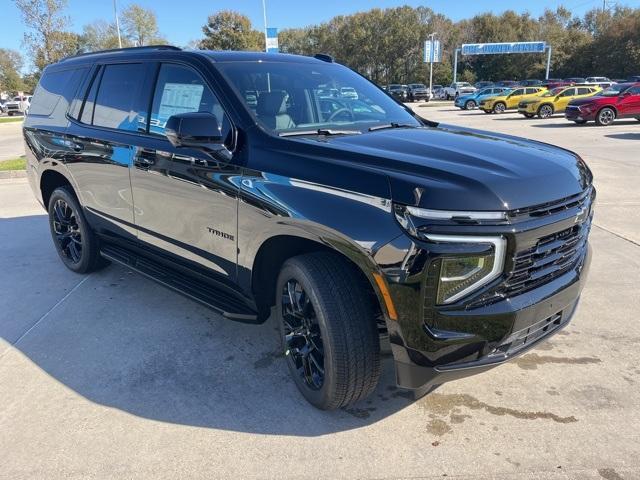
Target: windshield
[[463, 84], [294, 97], [614, 90], [553, 93], [417, 85]]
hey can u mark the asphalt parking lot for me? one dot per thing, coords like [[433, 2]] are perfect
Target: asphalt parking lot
[[10, 140], [110, 375]]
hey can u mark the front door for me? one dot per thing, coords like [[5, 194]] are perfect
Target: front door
[[630, 103], [185, 200]]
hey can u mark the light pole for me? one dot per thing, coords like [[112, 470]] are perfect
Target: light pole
[[264, 15], [431, 35], [115, 12]]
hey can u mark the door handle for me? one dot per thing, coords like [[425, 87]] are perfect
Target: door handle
[[145, 158]]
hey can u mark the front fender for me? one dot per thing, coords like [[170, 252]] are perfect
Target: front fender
[[354, 224]]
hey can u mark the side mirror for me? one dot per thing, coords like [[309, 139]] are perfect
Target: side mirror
[[197, 130]]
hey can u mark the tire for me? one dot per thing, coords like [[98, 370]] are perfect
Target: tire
[[456, 96], [447, 97], [580, 122], [499, 107], [470, 105], [487, 111], [10, 114], [545, 111], [605, 117], [75, 241], [340, 321]]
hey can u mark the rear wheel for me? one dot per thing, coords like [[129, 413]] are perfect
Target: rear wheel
[[605, 117], [545, 111], [470, 105], [499, 107], [72, 236], [328, 330]]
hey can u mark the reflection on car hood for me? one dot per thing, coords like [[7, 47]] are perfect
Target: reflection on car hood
[[584, 101], [459, 168]]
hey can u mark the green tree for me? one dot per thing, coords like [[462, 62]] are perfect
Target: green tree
[[47, 37], [100, 35], [228, 30], [10, 65], [140, 26]]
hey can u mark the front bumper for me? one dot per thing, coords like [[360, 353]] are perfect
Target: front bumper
[[434, 344], [575, 114]]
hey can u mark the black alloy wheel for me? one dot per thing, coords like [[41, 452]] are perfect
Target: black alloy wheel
[[75, 241], [328, 329], [67, 231], [302, 335]]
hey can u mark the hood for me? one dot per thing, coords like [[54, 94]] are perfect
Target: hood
[[465, 169]]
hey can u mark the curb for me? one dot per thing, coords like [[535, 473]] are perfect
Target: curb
[[13, 174]]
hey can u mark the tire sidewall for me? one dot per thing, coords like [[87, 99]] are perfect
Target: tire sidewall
[[545, 111], [84, 264], [499, 108], [470, 105], [599, 122], [320, 397]]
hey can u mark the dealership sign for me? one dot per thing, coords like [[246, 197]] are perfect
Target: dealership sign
[[432, 51], [271, 39], [497, 48]]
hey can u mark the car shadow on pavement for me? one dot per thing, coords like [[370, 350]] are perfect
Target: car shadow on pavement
[[125, 342], [625, 136]]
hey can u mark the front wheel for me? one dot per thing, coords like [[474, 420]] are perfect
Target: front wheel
[[605, 117], [328, 330], [545, 111], [73, 238], [499, 107]]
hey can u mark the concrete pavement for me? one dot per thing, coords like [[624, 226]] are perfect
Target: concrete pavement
[[11, 141], [110, 375]]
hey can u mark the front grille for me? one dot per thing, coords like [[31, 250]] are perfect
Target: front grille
[[580, 200], [528, 336], [552, 256]]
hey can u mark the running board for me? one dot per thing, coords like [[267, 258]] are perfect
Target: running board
[[220, 299]]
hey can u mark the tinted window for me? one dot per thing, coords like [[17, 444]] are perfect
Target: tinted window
[[519, 91], [568, 92], [118, 97], [181, 90], [86, 115], [634, 90], [584, 91], [53, 88]]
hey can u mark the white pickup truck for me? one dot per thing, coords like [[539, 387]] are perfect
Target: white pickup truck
[[458, 88], [19, 104]]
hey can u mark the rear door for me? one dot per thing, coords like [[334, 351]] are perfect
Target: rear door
[[103, 134], [186, 200], [561, 101]]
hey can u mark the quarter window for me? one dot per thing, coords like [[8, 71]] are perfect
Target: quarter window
[[634, 90], [180, 89], [118, 100]]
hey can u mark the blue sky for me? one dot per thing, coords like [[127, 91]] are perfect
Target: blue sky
[[181, 21]]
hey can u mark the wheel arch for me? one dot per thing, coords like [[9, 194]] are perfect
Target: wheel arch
[[50, 179], [277, 249]]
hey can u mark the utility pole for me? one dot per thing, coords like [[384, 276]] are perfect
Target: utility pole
[[431, 53], [264, 15], [115, 12]]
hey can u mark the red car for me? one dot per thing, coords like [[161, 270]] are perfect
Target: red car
[[621, 100]]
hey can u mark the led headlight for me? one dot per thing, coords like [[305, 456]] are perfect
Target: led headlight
[[463, 274]]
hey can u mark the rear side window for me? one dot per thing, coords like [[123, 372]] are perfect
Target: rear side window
[[118, 99], [584, 91], [55, 90]]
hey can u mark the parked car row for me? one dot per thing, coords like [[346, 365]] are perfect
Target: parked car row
[[580, 103], [413, 92], [18, 105]]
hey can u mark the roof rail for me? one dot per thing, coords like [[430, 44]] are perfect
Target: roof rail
[[125, 49], [324, 57]]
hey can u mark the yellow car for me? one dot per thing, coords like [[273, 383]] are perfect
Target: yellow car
[[510, 99], [554, 101]]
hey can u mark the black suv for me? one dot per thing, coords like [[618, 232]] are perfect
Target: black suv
[[352, 227], [417, 92]]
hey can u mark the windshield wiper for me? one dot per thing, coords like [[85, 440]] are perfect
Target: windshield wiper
[[320, 131], [391, 125]]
